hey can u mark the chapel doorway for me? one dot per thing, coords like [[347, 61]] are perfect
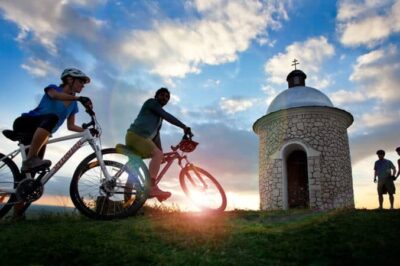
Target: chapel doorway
[[297, 180]]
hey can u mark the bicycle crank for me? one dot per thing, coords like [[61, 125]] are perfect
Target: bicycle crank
[[29, 190]]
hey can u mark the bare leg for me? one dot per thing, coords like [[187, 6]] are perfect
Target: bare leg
[[391, 199], [154, 165], [38, 140], [380, 201]]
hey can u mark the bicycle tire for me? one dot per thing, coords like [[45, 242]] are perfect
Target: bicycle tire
[[139, 169], [139, 166], [194, 189], [9, 174]]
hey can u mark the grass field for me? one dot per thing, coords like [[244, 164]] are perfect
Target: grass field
[[296, 237]]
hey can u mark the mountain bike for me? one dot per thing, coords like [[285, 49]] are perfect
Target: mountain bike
[[97, 189], [199, 186]]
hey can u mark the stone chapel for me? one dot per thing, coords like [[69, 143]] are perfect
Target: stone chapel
[[304, 155]]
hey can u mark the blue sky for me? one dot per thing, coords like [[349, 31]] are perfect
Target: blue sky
[[224, 61]]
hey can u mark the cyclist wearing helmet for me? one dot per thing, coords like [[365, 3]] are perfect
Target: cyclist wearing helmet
[[383, 170], [143, 136], [57, 105]]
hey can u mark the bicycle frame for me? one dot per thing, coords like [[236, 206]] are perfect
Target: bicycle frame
[[84, 137], [169, 158]]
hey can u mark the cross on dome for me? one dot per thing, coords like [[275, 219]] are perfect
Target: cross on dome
[[295, 63]]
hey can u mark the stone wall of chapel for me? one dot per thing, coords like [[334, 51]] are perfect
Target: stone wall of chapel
[[325, 130]]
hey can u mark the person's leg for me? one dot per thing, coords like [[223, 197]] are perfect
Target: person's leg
[[40, 128], [155, 162], [154, 167], [39, 139], [145, 148], [380, 189], [391, 199]]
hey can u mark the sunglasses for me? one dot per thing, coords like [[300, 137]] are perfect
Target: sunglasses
[[82, 81]]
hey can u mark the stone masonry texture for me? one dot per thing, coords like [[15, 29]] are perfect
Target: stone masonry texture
[[324, 129]]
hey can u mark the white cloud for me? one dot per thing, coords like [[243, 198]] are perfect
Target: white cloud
[[377, 73], [232, 106], [378, 119], [174, 48], [174, 99], [271, 93], [342, 97], [376, 97], [350, 9], [212, 83], [367, 22], [311, 54], [48, 20], [38, 68]]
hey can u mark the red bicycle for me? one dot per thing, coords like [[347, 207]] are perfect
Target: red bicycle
[[200, 186]]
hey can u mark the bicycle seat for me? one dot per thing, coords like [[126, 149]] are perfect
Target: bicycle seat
[[14, 136]]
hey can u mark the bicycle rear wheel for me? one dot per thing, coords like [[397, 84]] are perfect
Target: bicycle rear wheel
[[203, 189], [9, 178], [96, 198]]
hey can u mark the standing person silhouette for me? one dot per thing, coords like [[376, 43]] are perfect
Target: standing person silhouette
[[398, 163], [383, 170]]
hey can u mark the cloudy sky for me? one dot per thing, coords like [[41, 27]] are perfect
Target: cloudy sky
[[224, 62]]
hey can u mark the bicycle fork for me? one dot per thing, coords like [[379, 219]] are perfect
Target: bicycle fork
[[191, 166]]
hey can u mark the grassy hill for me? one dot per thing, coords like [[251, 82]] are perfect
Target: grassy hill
[[297, 237]]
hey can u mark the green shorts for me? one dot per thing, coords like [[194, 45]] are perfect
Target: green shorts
[[139, 145]]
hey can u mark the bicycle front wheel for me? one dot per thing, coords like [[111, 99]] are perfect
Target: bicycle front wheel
[[97, 198], [9, 178], [202, 188]]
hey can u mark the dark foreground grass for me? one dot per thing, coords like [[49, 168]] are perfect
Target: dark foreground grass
[[344, 237]]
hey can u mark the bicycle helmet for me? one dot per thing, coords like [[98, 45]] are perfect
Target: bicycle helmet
[[75, 73], [187, 145]]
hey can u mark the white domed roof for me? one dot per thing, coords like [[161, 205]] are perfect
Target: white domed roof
[[299, 96]]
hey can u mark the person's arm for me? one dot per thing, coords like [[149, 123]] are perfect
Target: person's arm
[[71, 124], [61, 96], [375, 173], [398, 164], [157, 109]]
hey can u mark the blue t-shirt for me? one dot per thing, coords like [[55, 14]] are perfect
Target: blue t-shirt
[[48, 105], [383, 168]]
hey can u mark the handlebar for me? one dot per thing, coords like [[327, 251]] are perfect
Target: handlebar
[[90, 111], [186, 144], [92, 117], [93, 125]]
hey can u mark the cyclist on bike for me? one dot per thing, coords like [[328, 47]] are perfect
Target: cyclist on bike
[[143, 136], [57, 105]]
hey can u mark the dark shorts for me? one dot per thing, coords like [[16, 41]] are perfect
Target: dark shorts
[[386, 186], [29, 124]]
